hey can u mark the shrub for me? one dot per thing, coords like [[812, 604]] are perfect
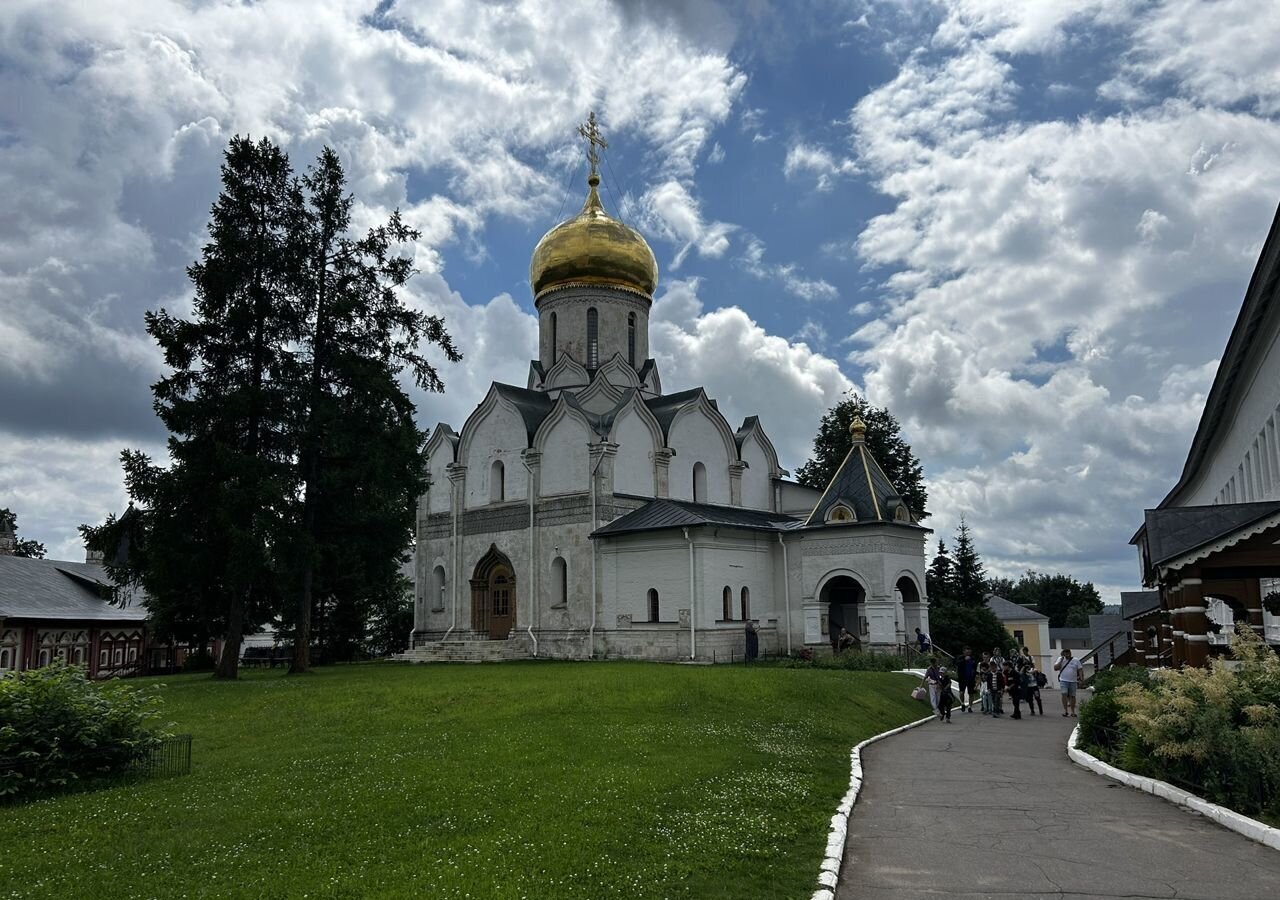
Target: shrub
[[58, 728], [1100, 717], [1215, 731], [851, 660]]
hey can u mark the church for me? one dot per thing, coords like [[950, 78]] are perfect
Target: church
[[591, 514]]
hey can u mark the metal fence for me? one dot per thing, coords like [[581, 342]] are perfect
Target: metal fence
[[171, 757]]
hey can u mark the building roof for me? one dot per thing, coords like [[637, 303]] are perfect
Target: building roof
[[1136, 603], [863, 486], [659, 514], [1069, 634], [534, 406], [56, 589], [1102, 628], [664, 408], [1008, 611], [1170, 532], [1250, 333]]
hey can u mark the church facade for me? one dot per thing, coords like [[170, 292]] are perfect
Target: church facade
[[592, 514]]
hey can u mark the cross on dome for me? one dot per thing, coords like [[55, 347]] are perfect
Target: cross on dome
[[590, 132]]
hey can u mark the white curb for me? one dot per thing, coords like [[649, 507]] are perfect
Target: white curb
[[1250, 828], [829, 871]]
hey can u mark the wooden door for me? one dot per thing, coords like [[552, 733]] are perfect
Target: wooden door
[[502, 603]]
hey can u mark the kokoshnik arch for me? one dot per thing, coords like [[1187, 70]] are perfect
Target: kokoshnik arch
[[590, 514]]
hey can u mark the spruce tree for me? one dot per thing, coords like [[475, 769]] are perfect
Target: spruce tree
[[969, 579], [884, 439], [361, 455], [938, 578]]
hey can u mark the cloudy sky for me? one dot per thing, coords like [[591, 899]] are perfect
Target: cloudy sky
[[1025, 227]]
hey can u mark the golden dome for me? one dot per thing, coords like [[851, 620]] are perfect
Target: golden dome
[[593, 248]]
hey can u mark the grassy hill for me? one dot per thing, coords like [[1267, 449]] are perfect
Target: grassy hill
[[552, 780]]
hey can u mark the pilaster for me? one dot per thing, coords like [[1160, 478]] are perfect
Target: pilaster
[[1195, 624], [735, 482], [662, 471], [602, 455]]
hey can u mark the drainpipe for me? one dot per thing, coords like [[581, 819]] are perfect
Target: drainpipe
[[453, 550], [693, 635], [591, 632], [786, 588], [533, 565]]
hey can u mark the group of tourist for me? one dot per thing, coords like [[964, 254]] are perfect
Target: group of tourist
[[988, 681]]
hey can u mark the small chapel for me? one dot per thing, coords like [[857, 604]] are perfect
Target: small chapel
[[592, 514]]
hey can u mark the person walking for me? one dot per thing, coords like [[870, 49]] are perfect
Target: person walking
[[946, 699], [997, 658], [1035, 681], [1068, 669], [997, 690], [967, 675], [932, 678], [1013, 685], [922, 640], [984, 675], [753, 641]]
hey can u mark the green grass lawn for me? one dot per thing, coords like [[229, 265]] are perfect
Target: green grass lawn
[[516, 780]]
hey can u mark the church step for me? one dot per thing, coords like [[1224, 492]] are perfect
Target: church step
[[515, 647]]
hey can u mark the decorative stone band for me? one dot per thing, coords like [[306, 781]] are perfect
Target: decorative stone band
[[1188, 610], [1203, 638], [1250, 828], [829, 872]]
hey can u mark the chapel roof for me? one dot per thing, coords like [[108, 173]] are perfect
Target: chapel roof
[[861, 484], [57, 589], [665, 513], [1173, 531], [1008, 611], [1136, 603]]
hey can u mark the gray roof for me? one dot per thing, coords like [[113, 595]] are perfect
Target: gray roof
[[1069, 634], [534, 406], [1252, 334], [664, 408], [55, 589], [1172, 531], [1007, 610], [659, 514], [1135, 603], [1102, 628], [861, 484]]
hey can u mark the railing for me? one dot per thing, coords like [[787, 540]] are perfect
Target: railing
[[171, 757], [1103, 662]]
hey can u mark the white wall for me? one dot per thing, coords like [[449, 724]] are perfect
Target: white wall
[[566, 458], [499, 435], [633, 465], [439, 493], [757, 488], [695, 438]]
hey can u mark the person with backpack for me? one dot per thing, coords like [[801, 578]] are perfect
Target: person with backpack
[[967, 675], [1013, 684], [1037, 680], [946, 699]]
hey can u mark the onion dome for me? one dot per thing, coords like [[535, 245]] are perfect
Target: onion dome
[[593, 248]]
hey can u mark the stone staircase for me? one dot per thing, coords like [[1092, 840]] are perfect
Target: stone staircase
[[518, 646]]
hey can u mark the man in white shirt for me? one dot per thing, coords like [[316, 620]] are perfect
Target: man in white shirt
[[1068, 669]]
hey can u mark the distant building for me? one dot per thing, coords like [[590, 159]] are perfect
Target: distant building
[[1029, 629], [1211, 549]]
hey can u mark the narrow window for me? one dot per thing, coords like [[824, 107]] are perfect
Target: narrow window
[[631, 339], [103, 655], [727, 598], [560, 581], [4, 655], [117, 656], [437, 588], [699, 483], [593, 338], [554, 342], [746, 604], [497, 479], [653, 605]]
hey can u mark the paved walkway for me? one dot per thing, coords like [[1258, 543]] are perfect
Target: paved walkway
[[993, 808]]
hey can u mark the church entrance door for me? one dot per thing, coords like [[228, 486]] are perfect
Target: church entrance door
[[493, 596]]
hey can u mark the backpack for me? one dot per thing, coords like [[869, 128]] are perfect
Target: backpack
[[1028, 680], [1041, 680]]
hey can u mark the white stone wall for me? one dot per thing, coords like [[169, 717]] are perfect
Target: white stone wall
[[757, 487], [565, 465], [633, 465], [1243, 462], [570, 306], [498, 435], [695, 437]]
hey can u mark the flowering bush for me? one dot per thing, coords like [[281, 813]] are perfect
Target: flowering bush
[[1215, 730], [58, 728]]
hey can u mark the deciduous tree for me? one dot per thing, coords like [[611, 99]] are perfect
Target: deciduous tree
[[29, 549]]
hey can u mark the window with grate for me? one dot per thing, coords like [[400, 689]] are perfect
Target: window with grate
[[593, 338], [631, 339]]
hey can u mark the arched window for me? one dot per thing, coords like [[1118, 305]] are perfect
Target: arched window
[[746, 604], [559, 582], [593, 338], [653, 605], [497, 482], [699, 483], [727, 598], [553, 339], [437, 587], [631, 339], [4, 656]]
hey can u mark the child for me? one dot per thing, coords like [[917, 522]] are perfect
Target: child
[[945, 697], [1029, 689], [984, 675], [1013, 684], [1038, 680]]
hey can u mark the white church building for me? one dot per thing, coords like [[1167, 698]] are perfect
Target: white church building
[[590, 514]]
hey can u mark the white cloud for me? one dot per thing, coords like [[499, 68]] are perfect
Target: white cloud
[[746, 370], [804, 158], [1059, 289], [670, 211]]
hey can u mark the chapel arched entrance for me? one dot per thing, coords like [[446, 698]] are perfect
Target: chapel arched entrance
[[493, 596], [842, 597]]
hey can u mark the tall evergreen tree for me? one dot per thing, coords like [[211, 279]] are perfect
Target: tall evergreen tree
[[26, 548], [884, 439], [939, 576], [358, 335], [969, 578]]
